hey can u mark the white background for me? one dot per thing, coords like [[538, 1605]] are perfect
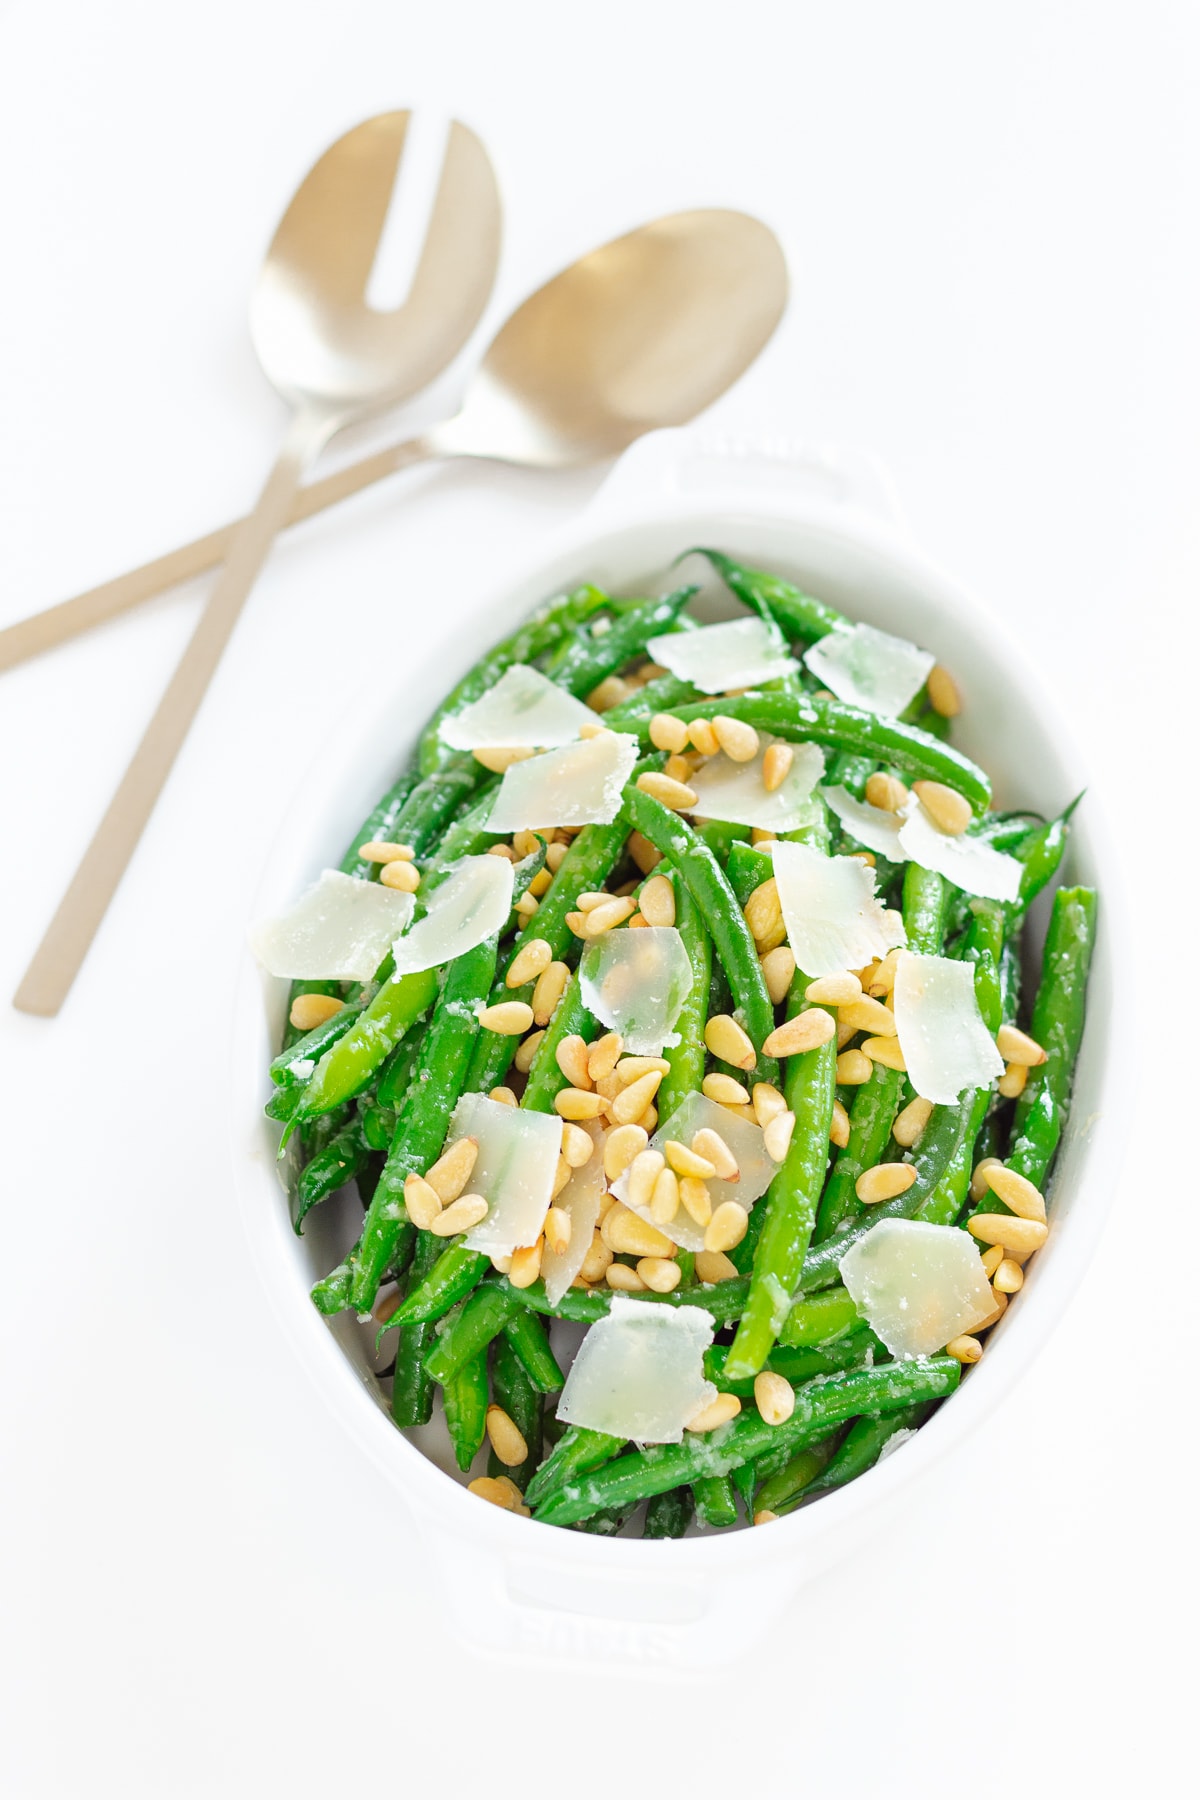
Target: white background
[[992, 224]]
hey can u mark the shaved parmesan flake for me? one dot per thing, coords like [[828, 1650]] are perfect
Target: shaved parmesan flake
[[637, 982], [947, 1047], [917, 1285], [833, 919], [738, 654], [965, 862], [756, 1170], [579, 784], [339, 929], [639, 1372], [869, 668], [735, 791], [869, 826], [514, 1169], [523, 708], [580, 1200], [473, 902]]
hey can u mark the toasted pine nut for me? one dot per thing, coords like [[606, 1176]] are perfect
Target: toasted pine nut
[[991, 1259], [715, 1412], [627, 1234], [643, 1173], [526, 1265], [497, 758], [460, 1215], [632, 1101], [675, 795], [668, 733], [576, 923], [504, 850], [724, 1090], [839, 1126], [777, 1135], [383, 1309], [1018, 1047], [378, 851], [774, 1397], [868, 1015], [943, 692], [885, 791], [710, 1145], [703, 737], [844, 1034], [557, 1229], [834, 990], [508, 1018], [687, 1162], [885, 1050], [625, 1280], [658, 901], [554, 857], [664, 1201], [979, 1181], [403, 876], [499, 1492], [807, 1031], [603, 1055], [659, 1274], [603, 918], [1013, 1080], [620, 1148], [526, 906], [778, 967], [763, 912], [696, 1199], [997, 1312], [764, 1516], [911, 1122], [965, 1349], [526, 843], [768, 1101], [632, 1068], [504, 1437], [1019, 1195], [592, 898], [645, 854], [948, 810], [540, 883], [452, 1170], [1013, 1233], [738, 740], [727, 1226], [527, 1049], [310, 1010], [610, 692], [853, 1068], [533, 956], [577, 1146], [597, 1259], [726, 1039], [883, 975], [578, 1103], [1009, 1277], [503, 1096], [572, 1058], [548, 990], [777, 760], [713, 1266], [884, 1182], [678, 768], [422, 1201]]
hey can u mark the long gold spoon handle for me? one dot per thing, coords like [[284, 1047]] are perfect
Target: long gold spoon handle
[[45, 630]]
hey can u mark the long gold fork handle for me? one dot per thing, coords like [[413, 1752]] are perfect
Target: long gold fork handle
[[44, 630], [60, 954]]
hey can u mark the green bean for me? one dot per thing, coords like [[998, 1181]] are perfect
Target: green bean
[[716, 1500], [820, 1406], [571, 1019], [331, 1168], [465, 1400], [527, 1336], [450, 1278], [1058, 1009], [747, 868], [293, 1066], [797, 614], [397, 1072], [591, 659], [378, 826], [378, 1124], [724, 1301], [412, 1384], [720, 912], [482, 1318], [435, 800], [857, 1349], [784, 1486], [467, 836], [577, 1452], [686, 1058], [668, 1515], [820, 1319], [348, 1065], [663, 694], [520, 1399], [862, 1445]]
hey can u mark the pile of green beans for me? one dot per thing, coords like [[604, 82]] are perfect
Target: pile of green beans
[[366, 1096]]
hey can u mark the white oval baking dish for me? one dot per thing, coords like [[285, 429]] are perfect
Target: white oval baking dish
[[829, 523]]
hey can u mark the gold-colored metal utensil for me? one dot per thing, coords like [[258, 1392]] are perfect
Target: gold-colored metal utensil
[[645, 332], [336, 358]]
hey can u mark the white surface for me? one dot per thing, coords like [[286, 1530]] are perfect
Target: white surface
[[997, 282]]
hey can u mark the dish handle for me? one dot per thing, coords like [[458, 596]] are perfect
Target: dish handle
[[764, 468]]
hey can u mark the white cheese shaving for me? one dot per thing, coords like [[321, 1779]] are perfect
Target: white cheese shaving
[[756, 1170], [735, 791], [514, 1170], [740, 653], [579, 784], [869, 668], [339, 929], [833, 919], [868, 825], [917, 1285], [965, 862], [523, 708], [636, 982], [947, 1047], [639, 1372], [580, 1200], [473, 902]]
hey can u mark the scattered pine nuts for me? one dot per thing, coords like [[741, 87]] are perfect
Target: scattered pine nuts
[[1009, 1277], [674, 795], [853, 1068], [645, 854], [678, 768], [668, 733], [504, 1437], [777, 760], [577, 1145], [660, 1275], [866, 1014], [965, 1349], [658, 901], [633, 1101], [632, 1068], [526, 906], [724, 1090], [1019, 1195], [533, 956], [979, 1181], [452, 1170], [578, 1103], [380, 852], [540, 883], [885, 791], [557, 1230], [774, 1397], [624, 1279], [383, 1309], [1013, 1080], [943, 692], [703, 737], [508, 1018], [1018, 1047], [597, 1259], [310, 1010], [572, 1058], [460, 1215], [620, 1148], [807, 1031], [422, 1202], [664, 1201], [885, 1050], [777, 1135], [991, 1259], [609, 692], [643, 1173], [764, 914], [716, 1412], [764, 1516], [727, 1226], [710, 1145], [602, 918], [1013, 1233], [726, 1039], [403, 876], [768, 1101], [525, 843], [576, 923], [948, 810], [526, 1265], [778, 967], [527, 1049], [696, 1199], [603, 1055], [628, 1235], [884, 1182], [713, 1266], [503, 1096], [738, 740], [834, 990], [504, 850], [839, 1126], [883, 975], [548, 990], [497, 758], [497, 1491], [911, 1122], [686, 1162]]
